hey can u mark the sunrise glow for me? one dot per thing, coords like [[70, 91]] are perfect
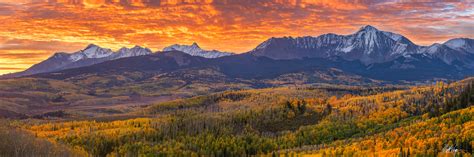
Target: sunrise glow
[[32, 30]]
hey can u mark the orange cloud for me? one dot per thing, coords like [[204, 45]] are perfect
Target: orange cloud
[[228, 25]]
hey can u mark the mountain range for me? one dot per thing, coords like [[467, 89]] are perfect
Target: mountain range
[[94, 54], [368, 45], [368, 53]]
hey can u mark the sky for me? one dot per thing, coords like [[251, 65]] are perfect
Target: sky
[[33, 30]]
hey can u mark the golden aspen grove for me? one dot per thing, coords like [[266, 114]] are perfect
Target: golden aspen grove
[[431, 120]]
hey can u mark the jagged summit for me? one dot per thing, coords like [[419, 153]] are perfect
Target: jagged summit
[[368, 28], [195, 45], [91, 46], [195, 50], [137, 47]]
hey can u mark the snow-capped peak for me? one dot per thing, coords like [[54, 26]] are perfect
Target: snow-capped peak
[[371, 40], [91, 46], [95, 52], [135, 51], [368, 28], [461, 44], [195, 50], [91, 51], [195, 45]]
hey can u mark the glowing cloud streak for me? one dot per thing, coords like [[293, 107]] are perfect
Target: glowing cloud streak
[[228, 25]]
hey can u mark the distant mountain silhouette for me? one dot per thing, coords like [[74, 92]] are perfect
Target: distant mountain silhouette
[[368, 53]]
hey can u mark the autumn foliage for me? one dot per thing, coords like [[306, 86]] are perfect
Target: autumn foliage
[[423, 120]]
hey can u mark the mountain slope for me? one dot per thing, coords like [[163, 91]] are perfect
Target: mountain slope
[[413, 67], [154, 64], [244, 68]]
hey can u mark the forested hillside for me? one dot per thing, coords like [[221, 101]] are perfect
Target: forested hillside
[[16, 142], [422, 120]]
